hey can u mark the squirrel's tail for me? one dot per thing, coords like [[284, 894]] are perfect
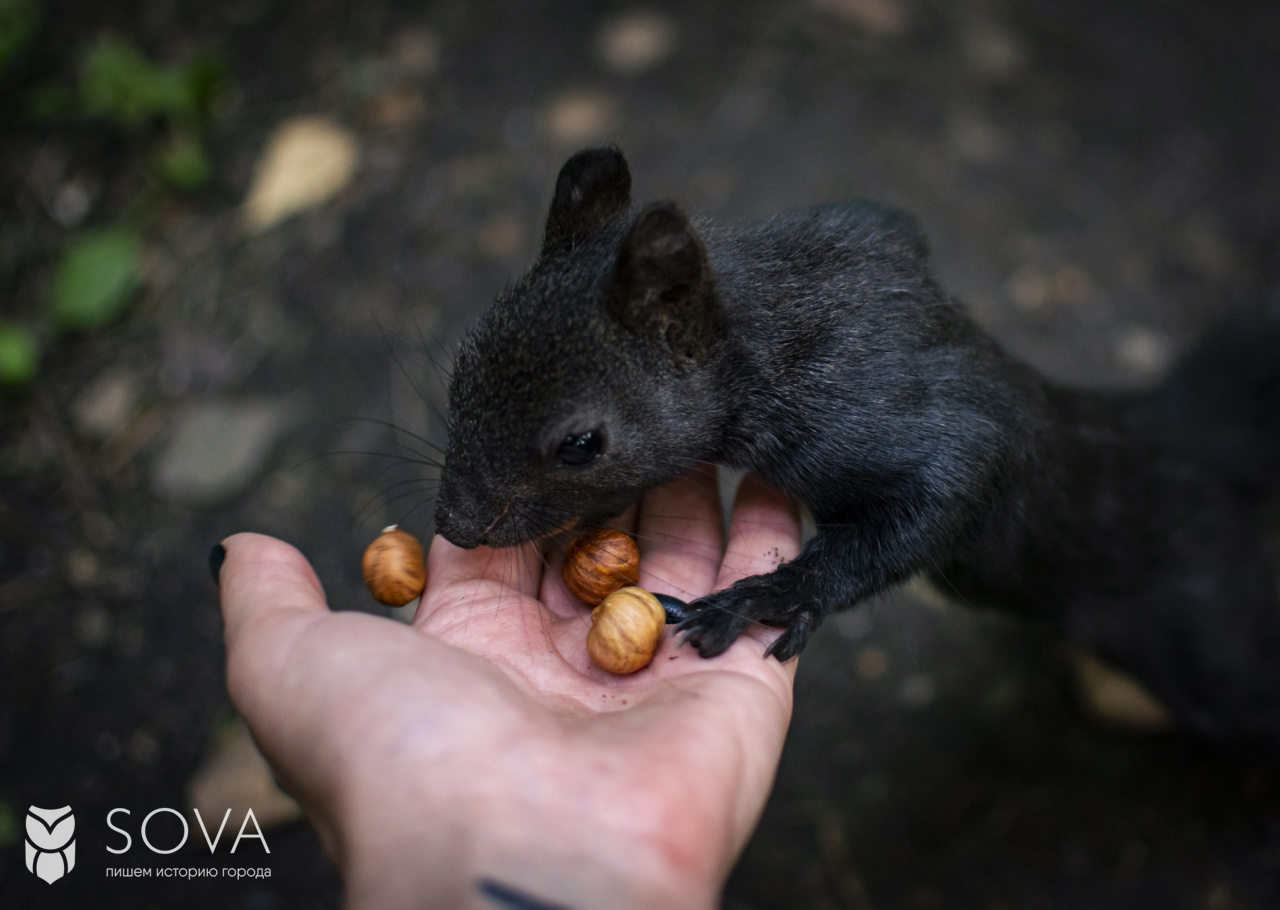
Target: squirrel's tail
[[1221, 403]]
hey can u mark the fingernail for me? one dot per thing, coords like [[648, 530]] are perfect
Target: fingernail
[[675, 608], [217, 556]]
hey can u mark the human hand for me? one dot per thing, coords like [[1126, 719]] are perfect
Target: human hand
[[480, 745]]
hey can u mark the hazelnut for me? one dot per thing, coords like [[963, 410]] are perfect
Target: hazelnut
[[599, 563], [394, 571], [625, 629]]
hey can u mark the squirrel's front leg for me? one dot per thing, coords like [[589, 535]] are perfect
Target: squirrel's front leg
[[839, 566]]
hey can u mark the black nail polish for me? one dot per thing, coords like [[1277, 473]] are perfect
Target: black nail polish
[[501, 895], [217, 556], [675, 608]]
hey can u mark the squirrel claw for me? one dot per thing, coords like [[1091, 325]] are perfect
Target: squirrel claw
[[792, 641], [711, 630]]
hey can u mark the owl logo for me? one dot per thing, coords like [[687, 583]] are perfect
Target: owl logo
[[51, 846]]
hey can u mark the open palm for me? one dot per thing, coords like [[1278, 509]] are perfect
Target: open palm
[[480, 749]]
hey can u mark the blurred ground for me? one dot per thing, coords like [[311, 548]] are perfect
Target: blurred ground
[[1098, 180]]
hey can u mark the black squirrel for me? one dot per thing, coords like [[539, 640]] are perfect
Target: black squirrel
[[815, 349]]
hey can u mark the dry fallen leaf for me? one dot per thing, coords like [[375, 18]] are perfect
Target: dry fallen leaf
[[879, 17], [635, 41], [1118, 700], [237, 777], [396, 108], [307, 161], [579, 117]]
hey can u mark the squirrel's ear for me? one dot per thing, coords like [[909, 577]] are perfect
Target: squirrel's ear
[[662, 284], [593, 186]]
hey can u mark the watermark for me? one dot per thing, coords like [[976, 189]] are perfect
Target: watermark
[[51, 845], [249, 817], [236, 872]]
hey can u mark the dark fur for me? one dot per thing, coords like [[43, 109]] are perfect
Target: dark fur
[[816, 349]]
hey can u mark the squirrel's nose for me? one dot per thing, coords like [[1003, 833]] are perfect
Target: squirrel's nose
[[466, 517], [454, 529], [457, 535]]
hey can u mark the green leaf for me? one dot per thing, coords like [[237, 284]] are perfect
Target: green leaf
[[119, 83], [205, 78], [95, 279], [19, 358], [183, 163], [18, 19], [115, 82]]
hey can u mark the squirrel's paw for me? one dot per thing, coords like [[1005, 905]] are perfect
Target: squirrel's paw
[[718, 619]]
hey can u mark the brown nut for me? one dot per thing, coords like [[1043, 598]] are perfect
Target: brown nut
[[599, 563], [394, 571], [625, 629]]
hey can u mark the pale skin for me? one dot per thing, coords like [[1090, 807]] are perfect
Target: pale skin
[[480, 744]]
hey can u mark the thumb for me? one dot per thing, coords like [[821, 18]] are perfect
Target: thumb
[[263, 578], [270, 596], [269, 593]]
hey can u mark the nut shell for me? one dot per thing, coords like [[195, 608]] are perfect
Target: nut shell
[[599, 563], [394, 570], [625, 630]]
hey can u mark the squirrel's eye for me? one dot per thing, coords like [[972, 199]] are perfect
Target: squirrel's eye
[[580, 448]]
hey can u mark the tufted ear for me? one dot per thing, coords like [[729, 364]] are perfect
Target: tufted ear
[[663, 287], [593, 187]]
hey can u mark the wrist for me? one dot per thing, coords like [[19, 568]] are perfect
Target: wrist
[[451, 846], [559, 872]]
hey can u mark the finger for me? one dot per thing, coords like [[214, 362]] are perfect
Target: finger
[[681, 535], [764, 531], [263, 578], [270, 597]]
